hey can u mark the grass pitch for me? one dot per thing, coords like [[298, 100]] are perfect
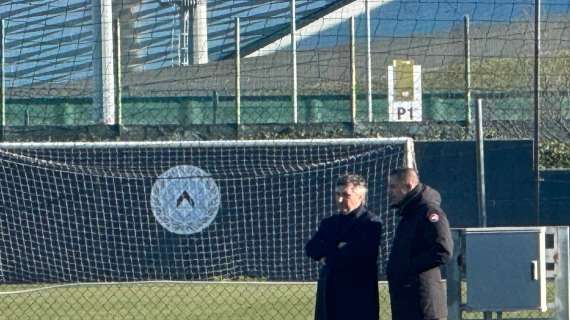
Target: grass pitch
[[181, 300]]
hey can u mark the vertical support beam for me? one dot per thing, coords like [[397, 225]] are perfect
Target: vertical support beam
[[183, 42], [238, 73], [199, 32], [118, 74], [561, 281], [129, 50], [352, 71], [368, 63], [410, 159], [454, 276], [536, 144], [2, 80], [467, 76], [104, 91], [294, 60], [481, 166]]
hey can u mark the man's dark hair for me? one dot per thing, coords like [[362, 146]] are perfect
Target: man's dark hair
[[404, 174], [354, 179]]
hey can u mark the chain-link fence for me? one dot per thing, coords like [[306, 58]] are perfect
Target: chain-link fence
[[167, 77], [206, 300], [178, 67]]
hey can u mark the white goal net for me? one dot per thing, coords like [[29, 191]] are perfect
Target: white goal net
[[194, 211]]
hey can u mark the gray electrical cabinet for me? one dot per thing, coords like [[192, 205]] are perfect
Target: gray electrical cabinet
[[505, 268]]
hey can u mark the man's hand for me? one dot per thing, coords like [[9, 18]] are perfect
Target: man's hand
[[341, 244], [323, 260]]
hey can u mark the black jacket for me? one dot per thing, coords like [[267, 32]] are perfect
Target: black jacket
[[348, 282], [422, 244]]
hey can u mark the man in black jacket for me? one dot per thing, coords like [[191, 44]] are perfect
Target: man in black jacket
[[422, 244], [347, 245]]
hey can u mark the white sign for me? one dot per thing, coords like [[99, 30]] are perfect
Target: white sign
[[404, 92], [185, 199]]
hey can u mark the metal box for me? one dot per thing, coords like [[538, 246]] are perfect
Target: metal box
[[505, 268]]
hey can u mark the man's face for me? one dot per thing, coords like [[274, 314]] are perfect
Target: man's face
[[397, 190], [348, 198]]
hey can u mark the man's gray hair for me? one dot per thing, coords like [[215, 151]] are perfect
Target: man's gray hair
[[356, 180]]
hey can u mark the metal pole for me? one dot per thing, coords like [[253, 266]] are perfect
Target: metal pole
[[480, 166], [454, 276], [561, 281], [215, 105], [352, 71], [2, 81], [238, 71], [537, 109], [118, 75], [368, 63], [104, 98], [467, 42], [294, 60]]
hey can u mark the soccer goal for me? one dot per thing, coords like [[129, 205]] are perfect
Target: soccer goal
[[176, 229]]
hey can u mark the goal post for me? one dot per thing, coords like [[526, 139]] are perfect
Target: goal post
[[128, 212]]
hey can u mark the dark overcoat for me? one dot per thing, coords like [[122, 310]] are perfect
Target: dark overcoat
[[422, 244], [348, 281]]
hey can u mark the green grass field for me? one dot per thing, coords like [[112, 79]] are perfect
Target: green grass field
[[196, 301], [161, 301]]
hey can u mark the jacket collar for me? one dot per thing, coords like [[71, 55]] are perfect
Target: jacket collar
[[358, 212], [412, 197]]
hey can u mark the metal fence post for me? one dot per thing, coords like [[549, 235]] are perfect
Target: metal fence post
[[352, 71], [2, 81], [562, 290], [480, 154], [294, 61], [467, 76], [215, 106], [537, 108], [454, 275], [368, 64], [238, 75], [118, 76]]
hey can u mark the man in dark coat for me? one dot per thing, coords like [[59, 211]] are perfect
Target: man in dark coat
[[422, 244], [347, 246]]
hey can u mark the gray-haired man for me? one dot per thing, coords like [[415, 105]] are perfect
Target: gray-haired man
[[347, 245]]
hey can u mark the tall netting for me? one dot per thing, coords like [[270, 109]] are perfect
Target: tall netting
[[86, 223], [178, 64]]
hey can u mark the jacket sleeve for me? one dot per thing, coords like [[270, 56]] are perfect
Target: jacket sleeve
[[363, 247], [437, 236], [322, 243]]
